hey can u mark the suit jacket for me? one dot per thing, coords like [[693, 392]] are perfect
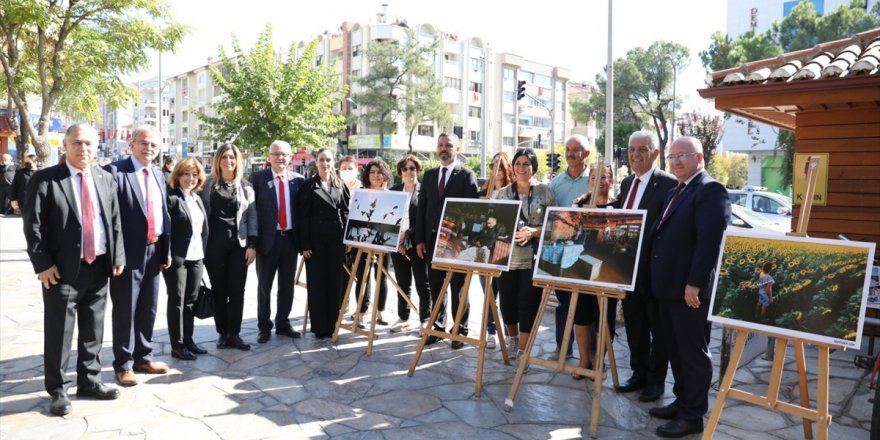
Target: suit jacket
[[181, 225], [52, 223], [266, 202], [321, 214], [409, 224], [658, 186], [462, 183], [245, 216], [134, 214], [685, 246]]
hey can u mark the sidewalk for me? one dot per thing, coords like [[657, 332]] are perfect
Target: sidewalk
[[289, 390]]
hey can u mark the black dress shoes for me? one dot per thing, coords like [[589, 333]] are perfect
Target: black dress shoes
[[634, 383], [667, 412], [223, 342], [60, 405], [195, 349], [680, 428], [651, 393], [236, 342], [457, 345], [289, 332], [263, 337], [183, 354], [433, 340], [98, 391]]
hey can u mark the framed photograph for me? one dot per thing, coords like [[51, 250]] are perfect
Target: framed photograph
[[589, 246], [812, 289], [375, 219], [477, 232]]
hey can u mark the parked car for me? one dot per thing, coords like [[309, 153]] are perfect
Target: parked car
[[776, 207], [744, 220]]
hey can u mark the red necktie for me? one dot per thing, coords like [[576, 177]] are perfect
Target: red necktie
[[88, 219], [632, 193], [672, 202], [282, 205], [148, 196], [442, 187]]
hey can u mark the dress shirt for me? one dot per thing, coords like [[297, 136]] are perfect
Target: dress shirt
[[283, 177], [97, 224], [155, 193], [195, 250], [640, 191]]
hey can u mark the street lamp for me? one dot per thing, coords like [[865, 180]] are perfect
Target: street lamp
[[674, 80], [483, 134], [357, 143]]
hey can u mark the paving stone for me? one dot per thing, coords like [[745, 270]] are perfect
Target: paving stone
[[282, 389], [403, 404], [445, 431], [353, 417], [437, 416], [526, 431], [480, 414], [544, 404]]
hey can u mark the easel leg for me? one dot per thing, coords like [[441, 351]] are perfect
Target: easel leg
[[566, 333], [724, 388], [430, 326], [296, 282], [378, 288], [524, 360], [490, 296], [351, 280], [801, 363], [462, 303], [822, 394], [612, 362], [599, 365]]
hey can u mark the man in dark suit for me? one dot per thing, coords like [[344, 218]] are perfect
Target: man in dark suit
[[645, 189], [449, 180], [684, 249], [275, 191], [142, 204], [73, 232]]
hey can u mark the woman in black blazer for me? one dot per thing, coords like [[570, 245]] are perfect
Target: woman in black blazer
[[322, 206], [189, 236]]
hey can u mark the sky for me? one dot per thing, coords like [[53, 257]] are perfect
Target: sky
[[564, 33]]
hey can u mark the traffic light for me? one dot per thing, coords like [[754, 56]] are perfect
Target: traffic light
[[520, 89], [554, 165], [550, 161]]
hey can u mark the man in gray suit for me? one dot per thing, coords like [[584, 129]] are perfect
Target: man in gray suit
[[74, 240], [275, 191]]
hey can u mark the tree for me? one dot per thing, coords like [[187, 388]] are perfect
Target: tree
[[73, 53], [401, 82], [706, 127], [266, 97], [622, 131], [643, 82]]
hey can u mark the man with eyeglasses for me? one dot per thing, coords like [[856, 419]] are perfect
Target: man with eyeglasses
[[450, 179], [684, 248], [275, 191], [645, 189]]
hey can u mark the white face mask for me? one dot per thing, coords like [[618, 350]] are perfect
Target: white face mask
[[348, 175]]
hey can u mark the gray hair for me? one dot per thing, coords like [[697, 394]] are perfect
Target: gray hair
[[653, 140], [77, 127], [582, 141], [143, 129], [281, 144]]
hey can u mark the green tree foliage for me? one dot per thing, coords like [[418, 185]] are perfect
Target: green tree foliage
[[725, 52], [622, 130], [401, 82], [266, 97], [731, 170], [73, 54], [643, 82], [704, 126]]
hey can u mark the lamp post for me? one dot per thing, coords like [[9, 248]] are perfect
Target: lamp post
[[357, 148], [483, 134], [674, 80]]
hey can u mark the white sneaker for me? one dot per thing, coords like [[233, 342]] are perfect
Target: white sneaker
[[512, 344], [399, 326], [490, 342]]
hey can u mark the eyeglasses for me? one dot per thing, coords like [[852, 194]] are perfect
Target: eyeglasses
[[409, 169], [680, 156], [279, 154], [638, 150]]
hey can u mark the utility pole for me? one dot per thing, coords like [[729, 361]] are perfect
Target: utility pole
[[609, 93]]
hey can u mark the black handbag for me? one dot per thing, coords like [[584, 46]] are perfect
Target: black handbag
[[204, 307]]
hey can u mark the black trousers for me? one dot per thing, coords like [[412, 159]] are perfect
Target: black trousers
[[644, 335], [85, 299], [324, 289], [182, 282], [686, 332], [406, 269], [135, 296], [280, 261], [365, 278], [224, 261], [519, 299]]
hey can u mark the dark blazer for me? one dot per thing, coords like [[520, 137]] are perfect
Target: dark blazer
[[658, 186], [320, 213], [410, 221], [134, 215], [685, 246], [181, 225], [267, 205], [245, 216], [462, 183], [52, 224]]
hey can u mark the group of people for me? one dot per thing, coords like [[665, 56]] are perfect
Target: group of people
[[133, 228], [14, 178]]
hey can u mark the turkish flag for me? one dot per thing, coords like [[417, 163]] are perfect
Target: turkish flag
[[475, 98]]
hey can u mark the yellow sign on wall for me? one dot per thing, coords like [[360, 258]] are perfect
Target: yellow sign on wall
[[820, 196]]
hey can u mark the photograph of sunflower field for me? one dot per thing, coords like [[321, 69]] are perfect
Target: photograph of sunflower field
[[808, 288]]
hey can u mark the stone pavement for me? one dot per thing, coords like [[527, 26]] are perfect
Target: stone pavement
[[285, 389]]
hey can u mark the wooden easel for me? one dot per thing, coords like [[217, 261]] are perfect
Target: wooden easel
[[371, 255], [298, 283], [603, 344], [770, 401], [488, 306]]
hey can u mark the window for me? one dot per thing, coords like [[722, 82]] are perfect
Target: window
[[738, 199], [476, 64], [508, 96], [184, 116], [201, 78], [508, 119], [473, 136], [764, 204], [183, 132], [474, 112], [508, 73], [355, 73], [426, 130], [355, 50], [542, 81], [319, 60], [450, 57], [476, 87], [453, 83], [202, 95], [507, 141]]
